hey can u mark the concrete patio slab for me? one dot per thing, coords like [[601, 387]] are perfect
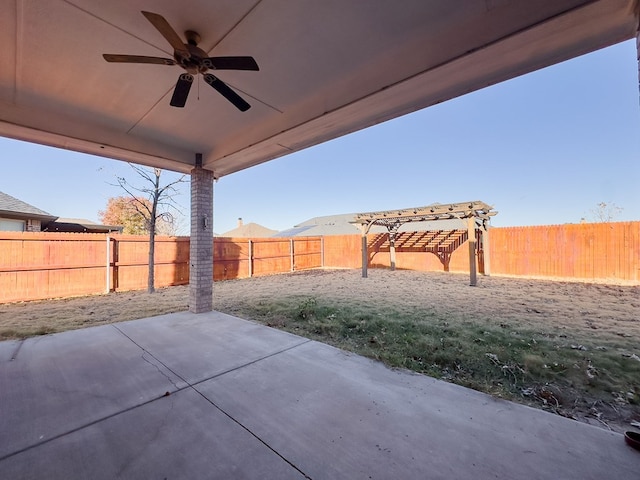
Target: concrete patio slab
[[354, 418], [196, 348], [179, 436], [55, 384], [247, 401]]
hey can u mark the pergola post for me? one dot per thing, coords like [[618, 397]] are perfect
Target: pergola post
[[392, 245], [392, 248], [486, 257], [365, 254], [201, 245], [471, 238]]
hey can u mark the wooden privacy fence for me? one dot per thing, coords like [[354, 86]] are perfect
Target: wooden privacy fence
[[36, 266], [603, 252], [242, 258], [597, 252], [51, 265]]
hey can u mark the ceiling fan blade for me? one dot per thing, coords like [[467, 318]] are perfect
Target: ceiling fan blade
[[181, 92], [137, 59], [167, 32], [226, 92], [231, 63]]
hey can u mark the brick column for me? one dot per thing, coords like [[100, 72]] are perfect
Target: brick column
[[201, 249]]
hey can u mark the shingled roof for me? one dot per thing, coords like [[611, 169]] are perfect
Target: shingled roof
[[250, 230], [342, 224], [12, 207]]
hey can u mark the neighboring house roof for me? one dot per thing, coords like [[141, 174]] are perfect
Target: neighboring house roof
[[323, 226], [340, 225], [294, 232], [77, 225], [14, 208], [250, 230]]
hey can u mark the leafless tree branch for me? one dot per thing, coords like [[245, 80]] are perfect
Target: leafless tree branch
[[153, 202]]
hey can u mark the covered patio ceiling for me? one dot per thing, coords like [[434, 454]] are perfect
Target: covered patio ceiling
[[327, 68]]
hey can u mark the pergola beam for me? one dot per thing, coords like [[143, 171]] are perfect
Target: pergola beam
[[436, 211]]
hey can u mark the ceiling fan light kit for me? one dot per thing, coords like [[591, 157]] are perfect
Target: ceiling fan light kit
[[193, 60]]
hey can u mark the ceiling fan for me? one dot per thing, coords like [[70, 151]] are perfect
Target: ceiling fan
[[193, 60]]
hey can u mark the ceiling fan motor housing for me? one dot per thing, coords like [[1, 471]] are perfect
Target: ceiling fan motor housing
[[196, 62]]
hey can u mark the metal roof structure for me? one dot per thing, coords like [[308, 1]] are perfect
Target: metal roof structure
[[80, 225]]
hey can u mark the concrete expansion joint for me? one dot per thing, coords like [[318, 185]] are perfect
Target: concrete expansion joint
[[251, 432], [238, 422], [81, 427], [240, 367], [148, 357], [156, 363]]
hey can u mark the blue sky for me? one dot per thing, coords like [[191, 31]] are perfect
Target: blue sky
[[544, 148]]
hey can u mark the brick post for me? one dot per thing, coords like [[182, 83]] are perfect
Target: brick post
[[201, 247]]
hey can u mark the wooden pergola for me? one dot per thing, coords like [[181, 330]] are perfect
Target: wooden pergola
[[477, 215]]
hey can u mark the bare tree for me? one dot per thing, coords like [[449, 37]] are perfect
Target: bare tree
[[605, 212], [155, 202], [175, 227]]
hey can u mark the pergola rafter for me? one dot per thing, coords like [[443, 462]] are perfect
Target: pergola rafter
[[476, 213]]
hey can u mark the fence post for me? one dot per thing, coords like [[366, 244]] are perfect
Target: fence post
[[108, 264], [471, 238], [365, 254], [486, 257], [250, 258], [291, 254]]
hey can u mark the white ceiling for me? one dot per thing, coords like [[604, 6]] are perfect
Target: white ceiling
[[327, 68]]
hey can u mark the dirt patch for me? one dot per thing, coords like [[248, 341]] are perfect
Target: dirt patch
[[583, 319]]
